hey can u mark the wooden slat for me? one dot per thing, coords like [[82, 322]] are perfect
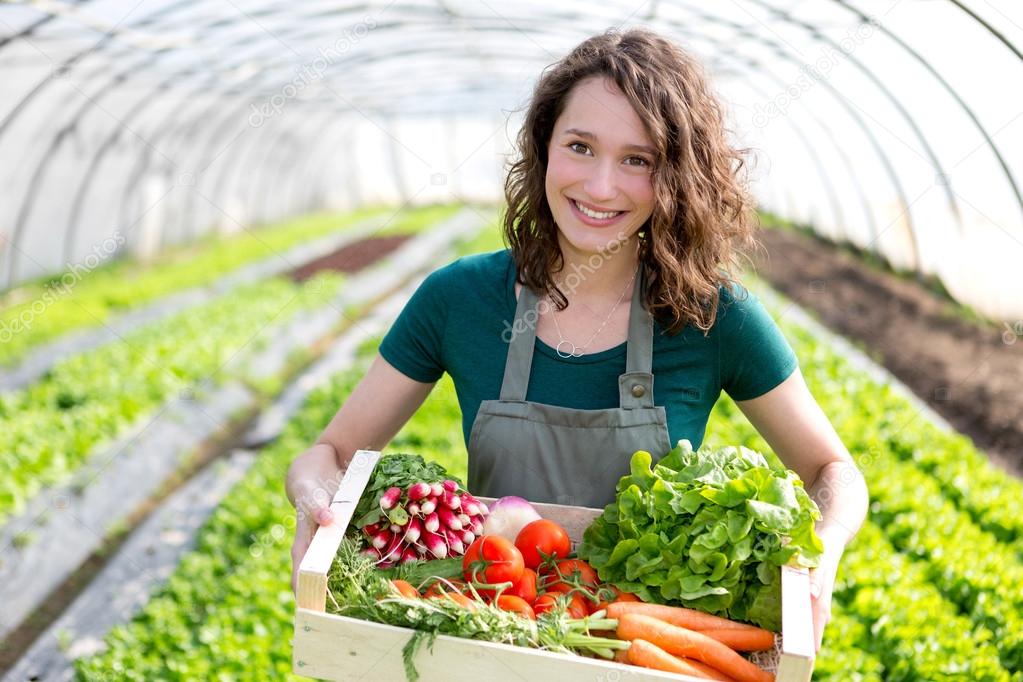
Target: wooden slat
[[333, 647], [312, 572], [797, 645]]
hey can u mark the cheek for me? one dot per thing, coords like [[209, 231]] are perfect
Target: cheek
[[640, 189], [562, 171]]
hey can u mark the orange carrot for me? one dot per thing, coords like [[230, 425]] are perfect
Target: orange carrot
[[692, 644], [742, 640], [648, 655], [680, 616], [710, 672]]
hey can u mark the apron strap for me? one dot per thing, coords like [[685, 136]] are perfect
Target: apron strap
[[636, 386], [520, 348]]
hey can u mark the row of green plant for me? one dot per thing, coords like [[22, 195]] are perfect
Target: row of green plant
[[38, 312], [51, 426], [966, 570]]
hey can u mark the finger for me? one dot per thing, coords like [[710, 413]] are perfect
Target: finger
[[324, 516]]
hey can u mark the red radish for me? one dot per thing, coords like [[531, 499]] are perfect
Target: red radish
[[454, 541], [477, 527], [382, 539], [484, 509], [467, 537], [451, 500], [414, 530], [372, 553], [372, 529], [428, 506], [465, 519], [395, 528], [436, 489], [393, 551], [409, 554], [435, 543], [412, 508], [470, 506], [418, 491], [420, 548], [450, 486], [390, 498], [448, 518], [431, 522]]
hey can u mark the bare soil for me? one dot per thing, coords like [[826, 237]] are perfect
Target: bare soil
[[351, 257], [970, 372]]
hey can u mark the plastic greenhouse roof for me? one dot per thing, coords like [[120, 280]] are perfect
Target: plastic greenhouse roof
[[891, 124]]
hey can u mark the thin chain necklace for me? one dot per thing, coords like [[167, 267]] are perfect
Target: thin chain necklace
[[575, 351]]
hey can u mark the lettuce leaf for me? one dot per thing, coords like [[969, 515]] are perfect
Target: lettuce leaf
[[708, 529]]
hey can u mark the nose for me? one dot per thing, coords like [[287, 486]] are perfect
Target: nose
[[601, 185]]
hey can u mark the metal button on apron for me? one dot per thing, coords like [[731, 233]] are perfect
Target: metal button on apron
[[548, 453]]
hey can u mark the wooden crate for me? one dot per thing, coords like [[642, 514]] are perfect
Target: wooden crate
[[332, 647]]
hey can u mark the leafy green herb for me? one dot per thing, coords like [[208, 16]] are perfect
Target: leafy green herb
[[708, 529]]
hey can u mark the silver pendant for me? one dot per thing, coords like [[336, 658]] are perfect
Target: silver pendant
[[573, 353]]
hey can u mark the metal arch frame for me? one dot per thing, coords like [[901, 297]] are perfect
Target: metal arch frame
[[44, 161], [836, 95], [28, 201], [143, 103], [782, 13], [743, 31]]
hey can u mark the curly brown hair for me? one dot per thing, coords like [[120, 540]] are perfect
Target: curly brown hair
[[703, 216]]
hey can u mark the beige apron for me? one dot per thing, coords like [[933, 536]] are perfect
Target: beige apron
[[547, 453]]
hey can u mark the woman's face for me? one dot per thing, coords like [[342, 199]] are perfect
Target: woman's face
[[599, 182]]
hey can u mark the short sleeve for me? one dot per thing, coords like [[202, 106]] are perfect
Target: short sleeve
[[414, 343], [755, 357]]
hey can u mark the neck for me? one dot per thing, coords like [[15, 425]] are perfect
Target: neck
[[579, 280]]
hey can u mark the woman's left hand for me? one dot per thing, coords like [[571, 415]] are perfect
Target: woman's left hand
[[822, 584]]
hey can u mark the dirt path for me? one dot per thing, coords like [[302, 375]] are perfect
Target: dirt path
[[969, 373]]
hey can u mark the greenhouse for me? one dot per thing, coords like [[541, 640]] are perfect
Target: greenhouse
[[447, 340]]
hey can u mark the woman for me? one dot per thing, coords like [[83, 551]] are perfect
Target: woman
[[624, 215]]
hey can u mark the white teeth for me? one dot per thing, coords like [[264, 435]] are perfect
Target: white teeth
[[596, 215]]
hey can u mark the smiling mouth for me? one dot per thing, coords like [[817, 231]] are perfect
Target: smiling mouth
[[596, 215]]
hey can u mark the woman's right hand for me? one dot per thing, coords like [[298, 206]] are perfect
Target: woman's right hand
[[306, 524]]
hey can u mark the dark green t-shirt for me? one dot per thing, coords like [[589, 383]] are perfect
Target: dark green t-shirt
[[459, 319]]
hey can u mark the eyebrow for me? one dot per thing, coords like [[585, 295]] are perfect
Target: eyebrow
[[586, 135]]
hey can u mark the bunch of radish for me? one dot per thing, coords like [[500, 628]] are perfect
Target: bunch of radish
[[425, 521]]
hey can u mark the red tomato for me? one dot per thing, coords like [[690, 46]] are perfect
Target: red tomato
[[525, 587], [572, 571], [509, 602], [544, 603], [542, 536], [492, 559], [577, 607], [609, 594]]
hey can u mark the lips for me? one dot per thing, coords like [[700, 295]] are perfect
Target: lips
[[588, 215]]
